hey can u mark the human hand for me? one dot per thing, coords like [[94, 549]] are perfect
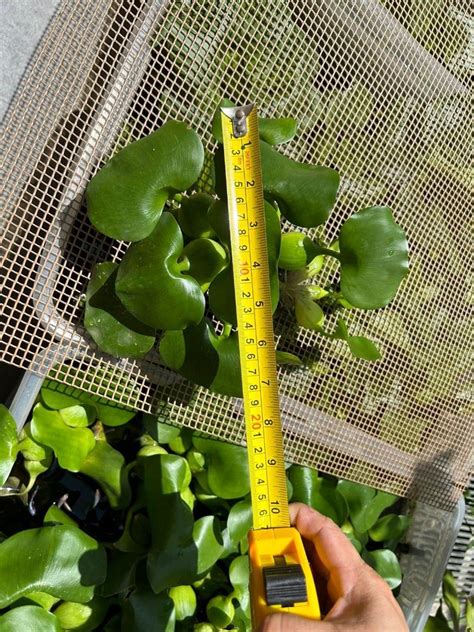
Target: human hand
[[361, 600]]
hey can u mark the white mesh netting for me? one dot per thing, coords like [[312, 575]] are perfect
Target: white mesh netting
[[381, 92]]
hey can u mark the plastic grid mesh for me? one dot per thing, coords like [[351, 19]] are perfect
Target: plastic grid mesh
[[380, 91]]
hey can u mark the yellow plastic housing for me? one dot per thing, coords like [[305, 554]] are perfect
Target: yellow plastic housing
[[264, 546]]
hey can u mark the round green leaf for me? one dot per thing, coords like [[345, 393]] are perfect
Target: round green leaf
[[288, 359], [229, 547], [239, 520], [206, 259], [386, 564], [172, 565], [78, 416], [162, 432], [277, 131], [200, 355], [304, 481], [30, 449], [184, 599], [169, 472], [71, 445], [112, 414], [29, 619], [228, 475], [362, 347], [37, 599], [365, 504], [242, 620], [218, 216], [208, 540], [239, 575], [305, 193], [126, 197], [151, 284], [182, 442], [317, 492], [82, 617], [228, 380], [61, 561], [111, 326], [220, 611], [8, 443], [297, 250], [196, 460], [373, 256], [56, 395], [357, 497], [379, 503], [389, 527]]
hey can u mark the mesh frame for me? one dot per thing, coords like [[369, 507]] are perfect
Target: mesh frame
[[403, 424]]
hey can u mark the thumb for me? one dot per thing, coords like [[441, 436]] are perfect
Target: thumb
[[292, 623]]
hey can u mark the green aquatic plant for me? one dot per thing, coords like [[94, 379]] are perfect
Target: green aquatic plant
[[177, 275], [157, 537]]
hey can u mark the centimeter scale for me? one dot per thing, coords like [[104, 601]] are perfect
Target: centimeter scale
[[280, 575]]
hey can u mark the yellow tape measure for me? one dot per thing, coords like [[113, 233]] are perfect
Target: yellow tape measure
[[281, 578]]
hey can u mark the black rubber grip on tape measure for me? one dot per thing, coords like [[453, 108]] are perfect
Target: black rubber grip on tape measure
[[284, 585]]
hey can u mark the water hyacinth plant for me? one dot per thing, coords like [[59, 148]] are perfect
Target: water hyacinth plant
[[112, 520], [175, 281]]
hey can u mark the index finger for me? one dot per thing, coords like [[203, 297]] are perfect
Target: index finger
[[340, 560]]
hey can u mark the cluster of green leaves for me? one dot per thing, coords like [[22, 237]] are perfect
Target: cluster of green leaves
[[178, 269], [460, 611], [178, 559]]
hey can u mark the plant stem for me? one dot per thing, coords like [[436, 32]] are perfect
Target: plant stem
[[329, 252]]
